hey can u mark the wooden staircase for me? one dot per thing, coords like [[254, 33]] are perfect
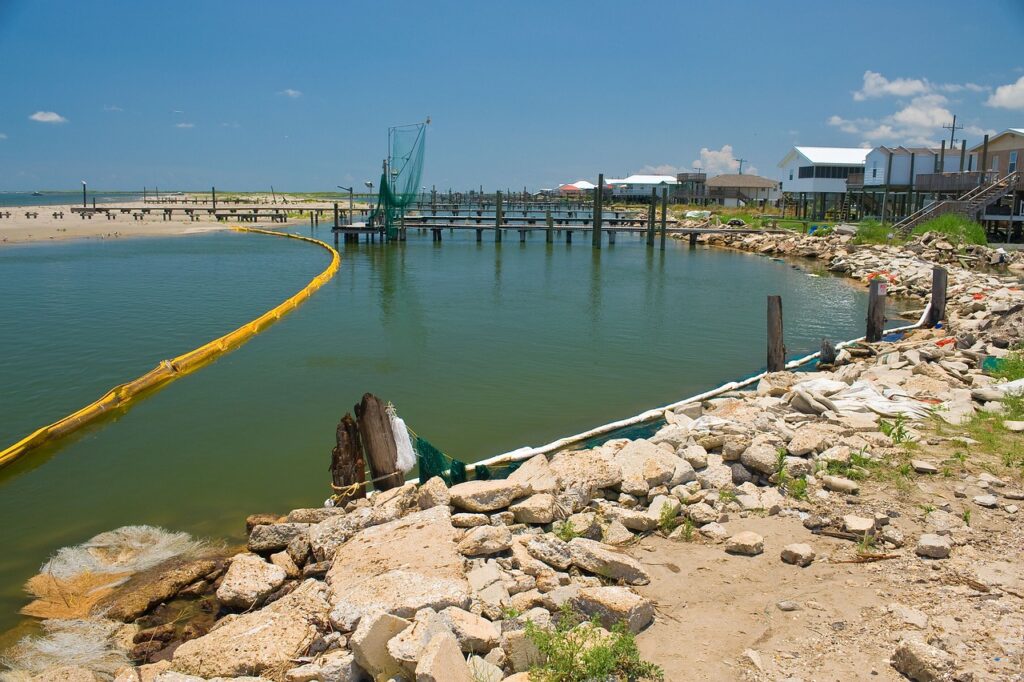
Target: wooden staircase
[[969, 205]]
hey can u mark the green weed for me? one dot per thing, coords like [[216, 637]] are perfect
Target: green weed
[[578, 650], [955, 228]]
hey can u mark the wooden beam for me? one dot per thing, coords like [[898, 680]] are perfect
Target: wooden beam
[[876, 309], [379, 442], [937, 311]]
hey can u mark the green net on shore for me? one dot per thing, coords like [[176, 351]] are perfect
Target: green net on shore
[[400, 181], [432, 462]]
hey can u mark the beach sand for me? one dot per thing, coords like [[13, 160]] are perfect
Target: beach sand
[[49, 226]]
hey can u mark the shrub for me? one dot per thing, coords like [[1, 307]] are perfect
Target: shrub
[[874, 232]]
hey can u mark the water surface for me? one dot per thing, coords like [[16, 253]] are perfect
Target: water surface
[[482, 348]]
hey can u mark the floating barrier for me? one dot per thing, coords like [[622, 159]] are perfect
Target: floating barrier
[[122, 396]]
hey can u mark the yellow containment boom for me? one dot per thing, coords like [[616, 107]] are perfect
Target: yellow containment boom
[[120, 397]]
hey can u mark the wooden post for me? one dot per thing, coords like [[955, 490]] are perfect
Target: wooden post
[[213, 194], [937, 311], [336, 225], [776, 347], [693, 240], [497, 217], [348, 466], [828, 353], [664, 215], [598, 197], [963, 153], [650, 217], [876, 309], [888, 181], [550, 223], [379, 442], [984, 161], [910, 190]]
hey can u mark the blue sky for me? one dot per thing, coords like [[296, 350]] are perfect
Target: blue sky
[[245, 95]]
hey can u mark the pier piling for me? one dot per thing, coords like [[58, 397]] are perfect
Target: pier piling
[[664, 215], [876, 309], [937, 312], [598, 196], [776, 347]]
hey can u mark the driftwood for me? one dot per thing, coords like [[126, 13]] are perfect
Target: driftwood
[[379, 443], [348, 466]]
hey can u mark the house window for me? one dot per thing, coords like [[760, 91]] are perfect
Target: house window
[[1012, 168], [790, 173], [874, 171], [806, 172]]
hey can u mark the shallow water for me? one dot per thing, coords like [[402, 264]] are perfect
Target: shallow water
[[482, 348]]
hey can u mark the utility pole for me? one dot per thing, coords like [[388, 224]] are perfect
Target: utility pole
[[742, 161], [952, 128]]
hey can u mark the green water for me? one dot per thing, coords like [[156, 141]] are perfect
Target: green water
[[482, 348]]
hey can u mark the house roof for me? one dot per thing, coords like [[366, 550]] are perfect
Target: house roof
[[1019, 132], [645, 180], [735, 180], [829, 156]]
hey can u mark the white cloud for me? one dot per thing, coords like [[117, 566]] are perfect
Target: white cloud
[[877, 85], [1009, 96], [288, 92], [233, 124], [184, 125], [47, 117], [917, 122], [112, 107], [3, 136], [717, 162], [662, 169]]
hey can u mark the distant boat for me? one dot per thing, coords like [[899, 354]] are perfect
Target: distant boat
[[37, 194]]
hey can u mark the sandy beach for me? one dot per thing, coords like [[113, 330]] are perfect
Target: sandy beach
[[57, 223]]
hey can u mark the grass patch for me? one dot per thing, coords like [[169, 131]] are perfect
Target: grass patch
[[955, 228], [668, 518], [874, 232], [565, 531], [578, 650], [1010, 368]]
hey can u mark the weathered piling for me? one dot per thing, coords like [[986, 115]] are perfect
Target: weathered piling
[[348, 467], [664, 215], [650, 217], [776, 346], [597, 223], [497, 217], [549, 223], [876, 309], [827, 356], [937, 311], [378, 442]]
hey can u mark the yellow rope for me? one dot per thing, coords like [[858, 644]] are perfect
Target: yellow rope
[[120, 397]]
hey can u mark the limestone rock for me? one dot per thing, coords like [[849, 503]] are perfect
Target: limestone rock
[[587, 468], [616, 534], [409, 645], [257, 642], [248, 580], [443, 662], [614, 604], [369, 643], [537, 509], [701, 513], [663, 506], [550, 550], [266, 539], [645, 462], [284, 561], [486, 540], [536, 474], [840, 485], [746, 543], [933, 546], [473, 633], [427, 572], [600, 559], [798, 554], [484, 671], [433, 493], [810, 438], [486, 496], [585, 524], [716, 475], [465, 520], [858, 525], [921, 662], [333, 666]]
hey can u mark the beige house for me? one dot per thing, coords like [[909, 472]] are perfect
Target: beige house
[[741, 190], [1004, 154]]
